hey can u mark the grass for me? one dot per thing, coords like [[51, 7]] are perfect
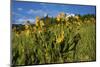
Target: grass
[[86, 49], [60, 43]]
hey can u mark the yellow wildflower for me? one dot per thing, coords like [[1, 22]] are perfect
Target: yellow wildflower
[[17, 34], [41, 23], [40, 30], [58, 18], [78, 23], [77, 17], [27, 32], [26, 26], [34, 29], [37, 21], [62, 14], [60, 37], [14, 29]]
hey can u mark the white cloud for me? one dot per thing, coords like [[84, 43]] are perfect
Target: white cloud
[[31, 11], [23, 20], [13, 13], [19, 9], [31, 20], [16, 14], [40, 13], [20, 20]]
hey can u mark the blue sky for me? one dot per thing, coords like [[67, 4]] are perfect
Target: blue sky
[[22, 11]]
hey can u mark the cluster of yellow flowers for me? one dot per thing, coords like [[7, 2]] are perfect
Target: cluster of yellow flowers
[[34, 29], [60, 37], [26, 26], [27, 32], [63, 18], [14, 30], [37, 21], [39, 24], [27, 29], [60, 17], [77, 17], [17, 34]]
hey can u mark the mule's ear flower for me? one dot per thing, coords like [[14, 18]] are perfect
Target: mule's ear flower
[[62, 14], [27, 32], [17, 34], [60, 37], [27, 24], [77, 17], [34, 29], [37, 21], [62, 32], [78, 23], [41, 23], [58, 18], [40, 30], [37, 18]]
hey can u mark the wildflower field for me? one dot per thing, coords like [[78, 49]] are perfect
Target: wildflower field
[[58, 39]]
